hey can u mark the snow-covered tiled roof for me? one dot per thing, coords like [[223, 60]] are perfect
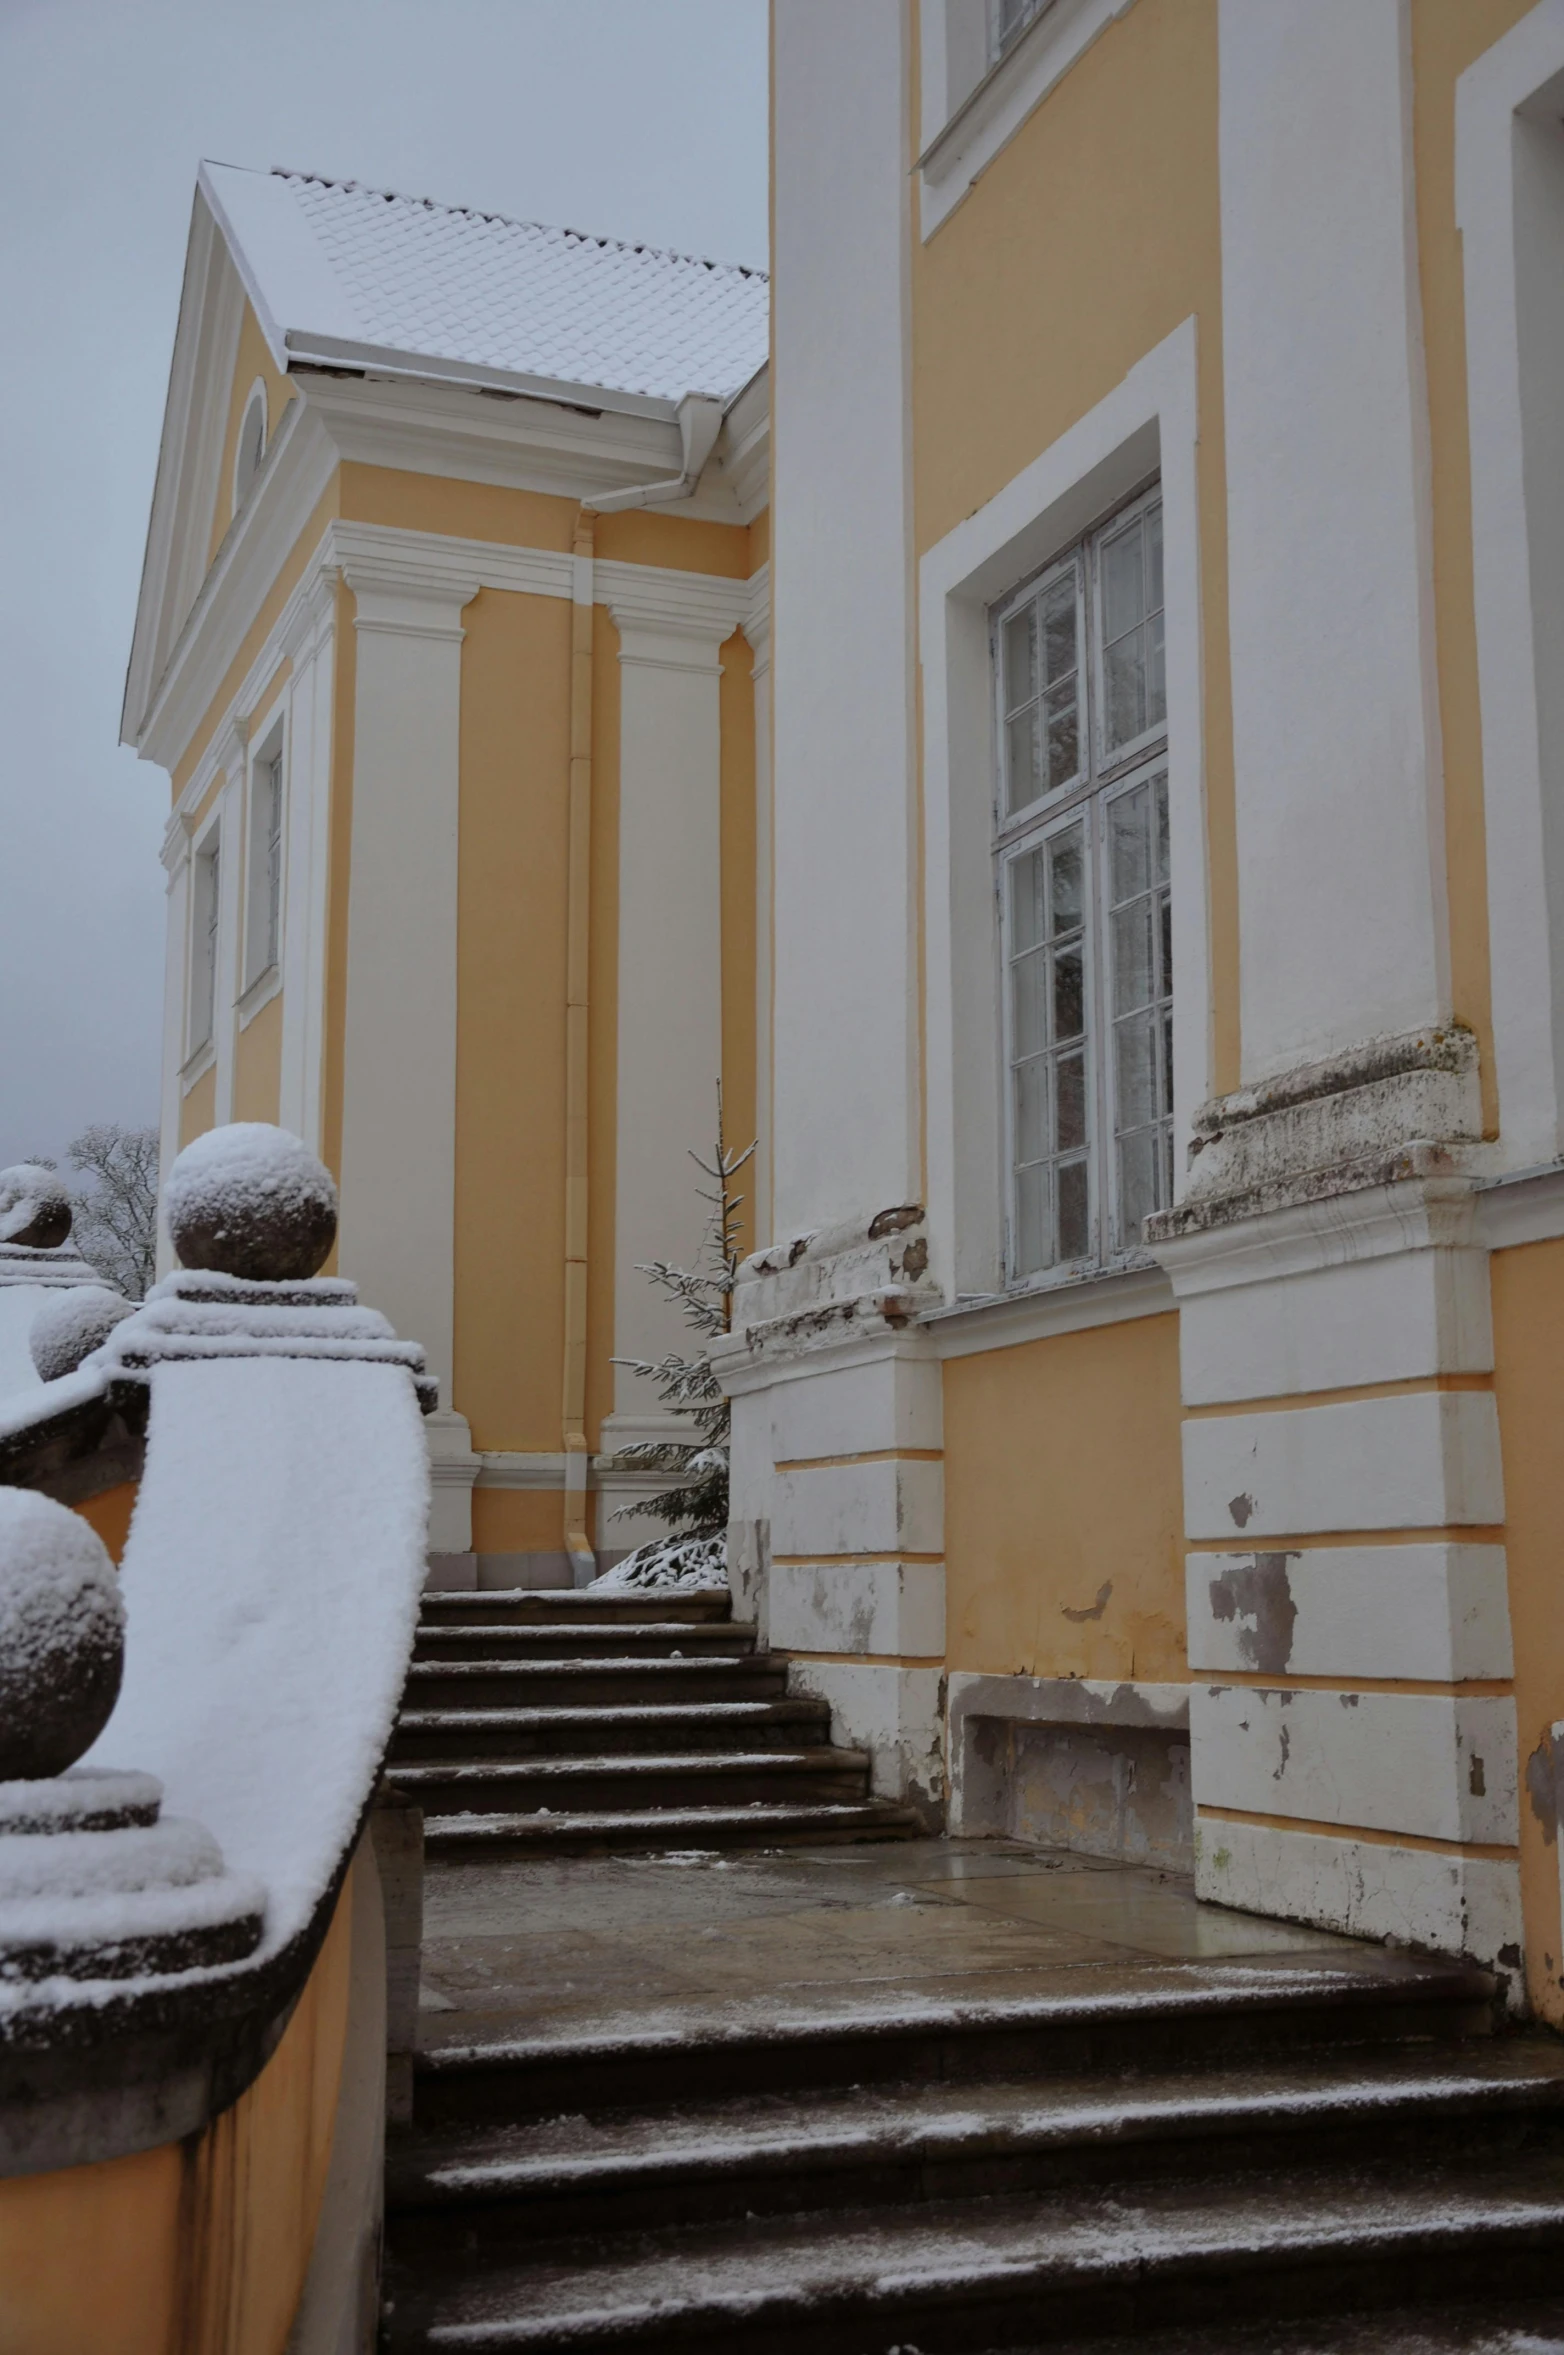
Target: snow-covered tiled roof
[[338, 272]]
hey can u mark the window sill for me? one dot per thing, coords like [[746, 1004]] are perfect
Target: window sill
[[195, 1069], [260, 993], [994, 110], [1068, 1304]]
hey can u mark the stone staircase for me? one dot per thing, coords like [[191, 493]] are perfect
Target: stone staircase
[[561, 1722], [1335, 2152]]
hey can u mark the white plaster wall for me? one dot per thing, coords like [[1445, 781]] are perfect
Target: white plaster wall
[[845, 1037], [1372, 1320], [892, 1401], [397, 1236], [893, 1713], [670, 973], [1336, 751], [1427, 1459], [865, 1508], [1437, 1613], [176, 975], [891, 1608], [308, 819], [1456, 1904], [1438, 1766]]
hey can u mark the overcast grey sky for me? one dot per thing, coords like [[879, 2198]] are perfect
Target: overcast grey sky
[[639, 118]]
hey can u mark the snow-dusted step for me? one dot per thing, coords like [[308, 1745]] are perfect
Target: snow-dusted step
[[434, 1735], [1043, 2271], [452, 1606], [617, 1683], [588, 1832], [670, 1779], [555, 1640], [487, 2188]]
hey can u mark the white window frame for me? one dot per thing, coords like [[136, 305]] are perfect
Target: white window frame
[[1148, 424], [204, 951], [244, 475], [263, 945], [1103, 776]]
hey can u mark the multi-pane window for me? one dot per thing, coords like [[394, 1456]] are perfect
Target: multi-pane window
[[263, 918], [1085, 910], [203, 943]]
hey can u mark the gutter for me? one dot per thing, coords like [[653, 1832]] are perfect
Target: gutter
[[700, 422]]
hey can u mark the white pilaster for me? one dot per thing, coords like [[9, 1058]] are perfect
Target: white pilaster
[[846, 1092], [669, 1051], [1335, 718], [398, 1176], [226, 983], [312, 646], [757, 629], [176, 969]]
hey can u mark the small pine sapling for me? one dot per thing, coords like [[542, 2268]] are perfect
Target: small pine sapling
[[695, 1503]]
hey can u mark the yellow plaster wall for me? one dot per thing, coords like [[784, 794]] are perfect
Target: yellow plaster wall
[[198, 2248], [1087, 240], [458, 510], [109, 1514], [518, 1520], [510, 1069], [253, 360], [682, 542], [1064, 1511], [198, 1109], [258, 1064], [1528, 1332]]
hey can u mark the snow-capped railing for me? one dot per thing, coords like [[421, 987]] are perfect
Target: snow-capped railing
[[270, 1589], [59, 1428]]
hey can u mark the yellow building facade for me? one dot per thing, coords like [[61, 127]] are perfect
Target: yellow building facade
[[1141, 1415], [467, 748]]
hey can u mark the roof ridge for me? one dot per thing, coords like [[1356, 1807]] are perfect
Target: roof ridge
[[471, 212]]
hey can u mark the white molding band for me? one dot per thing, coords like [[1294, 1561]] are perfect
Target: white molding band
[[1149, 420]]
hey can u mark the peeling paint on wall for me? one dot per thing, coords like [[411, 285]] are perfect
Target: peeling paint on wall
[[1259, 1590]]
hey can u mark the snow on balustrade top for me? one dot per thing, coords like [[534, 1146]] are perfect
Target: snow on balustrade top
[[71, 1325], [62, 1635], [249, 1199], [35, 1206]]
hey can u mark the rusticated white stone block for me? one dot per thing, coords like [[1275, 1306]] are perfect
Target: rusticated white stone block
[[891, 1400], [1439, 1613], [890, 1507], [1428, 1459], [1433, 1764], [893, 1713], [1467, 1905], [894, 1608], [1379, 1319]]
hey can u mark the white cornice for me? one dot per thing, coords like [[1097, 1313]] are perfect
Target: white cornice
[[436, 557], [1526, 1208], [971, 1328], [654, 597]]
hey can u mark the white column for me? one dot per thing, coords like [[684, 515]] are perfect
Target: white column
[[312, 645], [398, 1176], [846, 1035], [176, 969], [757, 629], [669, 1057], [1335, 719], [230, 912]]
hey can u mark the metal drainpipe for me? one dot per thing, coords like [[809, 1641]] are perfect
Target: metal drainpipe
[[578, 924]]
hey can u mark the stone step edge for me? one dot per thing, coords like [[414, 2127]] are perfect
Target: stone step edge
[[876, 2266], [781, 1711], [1166, 1990], [721, 1631], [636, 1763], [761, 1815], [444, 2167]]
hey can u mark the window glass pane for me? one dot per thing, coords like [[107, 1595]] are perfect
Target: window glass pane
[[1124, 690], [1074, 1221], [1134, 973], [1156, 675], [1029, 981], [1066, 895], [1140, 1096], [1154, 557], [1023, 764], [1063, 759], [1057, 608], [1123, 585], [1138, 1182], [1031, 1110], [1032, 1238], [1140, 946], [1129, 843], [1070, 1102], [1069, 996], [1028, 919], [1020, 659]]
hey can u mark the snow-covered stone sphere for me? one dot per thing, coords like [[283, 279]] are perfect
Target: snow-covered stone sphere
[[62, 1635], [72, 1325], [35, 1207], [250, 1200]]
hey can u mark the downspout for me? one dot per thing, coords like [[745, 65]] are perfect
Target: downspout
[[578, 925], [700, 422]]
